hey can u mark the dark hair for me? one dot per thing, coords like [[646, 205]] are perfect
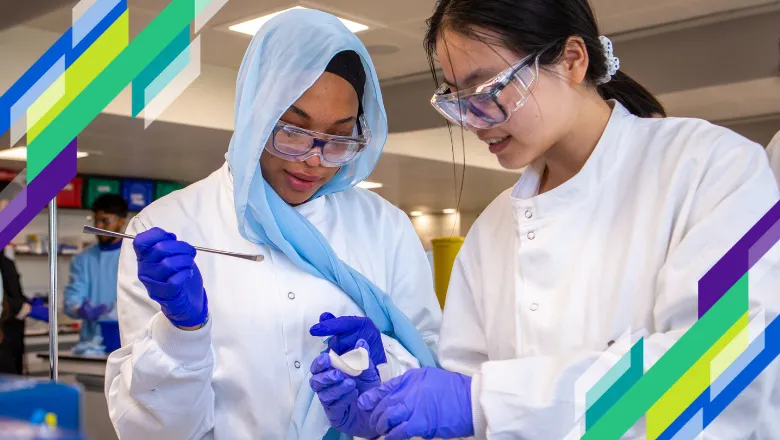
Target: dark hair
[[111, 204], [529, 26], [9, 189]]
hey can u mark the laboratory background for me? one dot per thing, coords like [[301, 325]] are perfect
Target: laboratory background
[[717, 60]]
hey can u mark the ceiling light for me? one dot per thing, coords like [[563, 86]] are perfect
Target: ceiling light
[[20, 154], [369, 185], [252, 26], [450, 211], [416, 213]]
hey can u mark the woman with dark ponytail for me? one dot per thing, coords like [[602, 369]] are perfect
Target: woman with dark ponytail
[[602, 241]]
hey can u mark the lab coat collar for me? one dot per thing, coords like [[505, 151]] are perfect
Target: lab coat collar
[[607, 155], [313, 210]]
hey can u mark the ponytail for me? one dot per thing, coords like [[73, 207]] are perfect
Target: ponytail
[[632, 95], [529, 26]]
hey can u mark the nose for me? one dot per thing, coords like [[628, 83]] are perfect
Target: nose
[[313, 161]]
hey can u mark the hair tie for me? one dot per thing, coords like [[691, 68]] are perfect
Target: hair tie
[[613, 62]]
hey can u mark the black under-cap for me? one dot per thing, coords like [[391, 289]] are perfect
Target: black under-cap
[[348, 65]]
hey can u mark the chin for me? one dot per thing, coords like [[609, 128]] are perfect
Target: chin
[[295, 198]]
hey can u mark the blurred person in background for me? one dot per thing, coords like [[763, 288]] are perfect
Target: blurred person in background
[[15, 306], [91, 291], [615, 219]]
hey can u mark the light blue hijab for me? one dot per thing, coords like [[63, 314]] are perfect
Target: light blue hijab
[[285, 58]]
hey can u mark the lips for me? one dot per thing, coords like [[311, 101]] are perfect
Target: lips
[[497, 144], [301, 182]]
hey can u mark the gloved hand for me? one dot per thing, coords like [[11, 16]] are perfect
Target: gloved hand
[[424, 402], [92, 312], [167, 269], [38, 310], [338, 394], [346, 331]]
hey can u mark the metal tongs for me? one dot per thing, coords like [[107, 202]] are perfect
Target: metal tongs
[[97, 231]]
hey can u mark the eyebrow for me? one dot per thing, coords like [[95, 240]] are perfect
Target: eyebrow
[[298, 111], [470, 80]]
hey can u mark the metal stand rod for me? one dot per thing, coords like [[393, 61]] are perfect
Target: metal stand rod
[[53, 327]]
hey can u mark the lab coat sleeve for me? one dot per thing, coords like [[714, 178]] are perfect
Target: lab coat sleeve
[[158, 385], [412, 291], [534, 397], [78, 286]]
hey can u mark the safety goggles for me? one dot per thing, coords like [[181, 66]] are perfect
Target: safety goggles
[[296, 144], [491, 103]]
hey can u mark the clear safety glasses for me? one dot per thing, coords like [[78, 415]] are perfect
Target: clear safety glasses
[[491, 103], [296, 144]]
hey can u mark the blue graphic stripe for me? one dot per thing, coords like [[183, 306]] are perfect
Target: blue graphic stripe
[[94, 15]]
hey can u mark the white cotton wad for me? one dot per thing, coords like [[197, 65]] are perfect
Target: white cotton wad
[[351, 363]]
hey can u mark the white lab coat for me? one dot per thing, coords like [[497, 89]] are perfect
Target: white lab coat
[[237, 377], [544, 283], [773, 150]]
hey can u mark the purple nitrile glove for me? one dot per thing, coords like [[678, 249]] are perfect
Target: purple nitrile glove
[[167, 269], [91, 312], [346, 331], [424, 402], [338, 394], [38, 310]]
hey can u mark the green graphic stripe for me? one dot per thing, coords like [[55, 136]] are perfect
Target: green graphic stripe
[[156, 68], [690, 386], [619, 387], [672, 365], [109, 84]]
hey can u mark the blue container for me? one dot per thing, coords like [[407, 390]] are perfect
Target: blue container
[[110, 332], [138, 193]]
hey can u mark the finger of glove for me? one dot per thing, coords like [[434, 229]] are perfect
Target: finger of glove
[[392, 417], [166, 268], [165, 249], [333, 394], [401, 432], [326, 316], [336, 326], [371, 398], [147, 239], [327, 379], [321, 363], [162, 291]]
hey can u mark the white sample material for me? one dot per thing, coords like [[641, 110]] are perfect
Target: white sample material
[[544, 283], [351, 363], [165, 383]]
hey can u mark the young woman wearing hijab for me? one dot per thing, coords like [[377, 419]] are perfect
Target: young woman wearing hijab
[[219, 347], [616, 218]]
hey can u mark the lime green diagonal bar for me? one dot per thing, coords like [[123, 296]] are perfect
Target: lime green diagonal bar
[[677, 360], [108, 84], [691, 384], [83, 71]]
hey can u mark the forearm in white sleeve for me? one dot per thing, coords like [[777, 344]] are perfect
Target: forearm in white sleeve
[[158, 385]]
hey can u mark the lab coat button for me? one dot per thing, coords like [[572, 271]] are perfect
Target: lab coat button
[[529, 214], [531, 235], [534, 307], [291, 295], [297, 364]]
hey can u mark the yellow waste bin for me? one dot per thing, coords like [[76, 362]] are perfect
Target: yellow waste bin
[[444, 252]]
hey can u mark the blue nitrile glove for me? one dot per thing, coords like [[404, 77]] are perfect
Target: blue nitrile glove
[[38, 310], [346, 331], [91, 312], [424, 402], [167, 269], [338, 394]]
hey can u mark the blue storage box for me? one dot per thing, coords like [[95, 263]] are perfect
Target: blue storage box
[[138, 193], [22, 398]]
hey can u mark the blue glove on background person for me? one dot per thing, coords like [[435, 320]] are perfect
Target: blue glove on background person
[[92, 312], [424, 402], [38, 309], [167, 269], [338, 394], [346, 331]]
